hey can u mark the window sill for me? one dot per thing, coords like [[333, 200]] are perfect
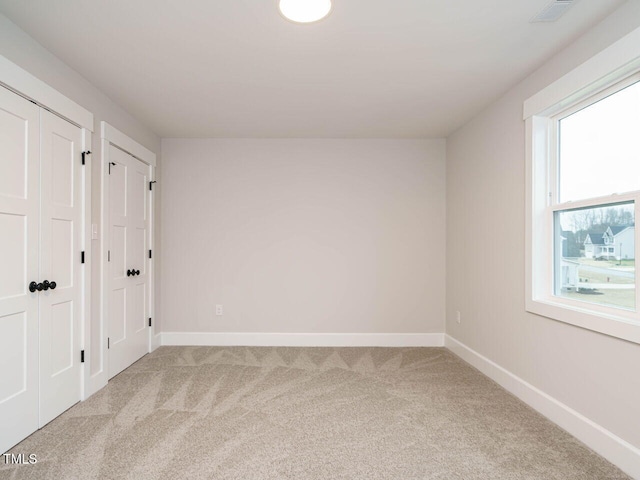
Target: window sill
[[608, 324]]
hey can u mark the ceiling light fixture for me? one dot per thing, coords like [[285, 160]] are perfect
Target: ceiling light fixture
[[304, 11]]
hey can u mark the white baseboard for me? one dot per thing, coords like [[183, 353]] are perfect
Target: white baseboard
[[156, 341], [619, 452], [304, 339]]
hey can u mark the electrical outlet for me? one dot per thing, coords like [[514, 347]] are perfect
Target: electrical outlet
[[218, 310], [458, 316]]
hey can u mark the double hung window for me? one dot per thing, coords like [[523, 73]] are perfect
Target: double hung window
[[583, 198]]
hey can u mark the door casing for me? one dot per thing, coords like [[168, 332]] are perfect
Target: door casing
[[112, 136], [45, 101]]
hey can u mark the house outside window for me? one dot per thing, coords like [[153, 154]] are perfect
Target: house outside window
[[583, 194]]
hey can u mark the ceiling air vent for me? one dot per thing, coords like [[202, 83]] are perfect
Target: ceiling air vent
[[553, 11]]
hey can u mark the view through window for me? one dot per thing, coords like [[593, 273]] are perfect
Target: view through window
[[595, 255], [598, 159]]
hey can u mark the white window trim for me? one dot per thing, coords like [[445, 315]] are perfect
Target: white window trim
[[611, 66]]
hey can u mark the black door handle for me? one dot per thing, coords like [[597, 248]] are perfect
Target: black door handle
[[137, 272], [129, 273], [46, 285]]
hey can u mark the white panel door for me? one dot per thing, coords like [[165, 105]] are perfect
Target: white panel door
[[19, 205], [128, 278], [60, 265]]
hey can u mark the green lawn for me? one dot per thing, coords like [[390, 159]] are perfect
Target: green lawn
[[605, 263], [597, 277]]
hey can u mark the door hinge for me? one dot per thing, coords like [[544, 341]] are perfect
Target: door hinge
[[111, 163], [81, 356], [84, 154], [108, 342], [149, 321], [108, 255], [149, 253], [82, 257], [151, 184]]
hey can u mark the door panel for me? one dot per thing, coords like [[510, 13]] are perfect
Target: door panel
[[138, 246], [63, 160], [139, 196], [118, 325], [15, 127], [14, 332], [118, 183], [61, 341], [61, 230], [13, 254], [62, 244], [118, 251], [137, 303], [128, 225], [19, 224]]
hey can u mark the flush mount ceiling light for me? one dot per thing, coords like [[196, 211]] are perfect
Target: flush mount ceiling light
[[304, 11]]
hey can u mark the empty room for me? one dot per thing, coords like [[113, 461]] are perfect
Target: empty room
[[319, 239]]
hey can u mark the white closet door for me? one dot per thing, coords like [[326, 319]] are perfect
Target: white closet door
[[19, 205], [137, 254], [128, 279], [60, 262]]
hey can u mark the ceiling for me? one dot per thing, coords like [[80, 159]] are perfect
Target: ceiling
[[237, 68]]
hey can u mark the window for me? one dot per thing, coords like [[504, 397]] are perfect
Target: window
[[590, 275], [583, 169], [599, 145]]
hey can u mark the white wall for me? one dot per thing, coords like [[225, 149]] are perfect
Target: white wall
[[25, 52], [303, 236], [594, 374]]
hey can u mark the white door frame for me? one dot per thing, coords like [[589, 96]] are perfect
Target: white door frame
[[35, 90], [112, 136]]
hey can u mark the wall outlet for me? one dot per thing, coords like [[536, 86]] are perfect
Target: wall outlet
[[458, 316], [218, 309]]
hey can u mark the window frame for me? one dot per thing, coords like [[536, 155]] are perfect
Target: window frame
[[611, 70]]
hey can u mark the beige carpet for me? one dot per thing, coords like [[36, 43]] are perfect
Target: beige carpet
[[304, 413]]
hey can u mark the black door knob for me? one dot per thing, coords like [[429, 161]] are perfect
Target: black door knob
[[137, 272], [33, 286], [45, 285], [53, 285], [129, 273]]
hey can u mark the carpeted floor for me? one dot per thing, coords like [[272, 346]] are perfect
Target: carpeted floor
[[304, 413]]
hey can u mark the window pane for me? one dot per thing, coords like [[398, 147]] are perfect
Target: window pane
[[600, 147], [595, 255]]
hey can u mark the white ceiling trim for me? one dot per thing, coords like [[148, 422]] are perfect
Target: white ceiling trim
[[26, 85]]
